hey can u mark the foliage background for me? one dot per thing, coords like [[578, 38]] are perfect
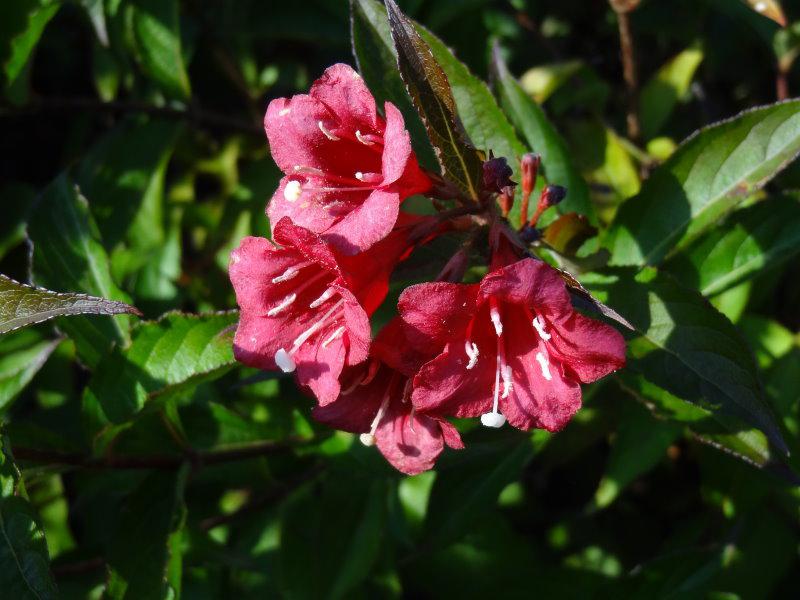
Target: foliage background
[[161, 469]]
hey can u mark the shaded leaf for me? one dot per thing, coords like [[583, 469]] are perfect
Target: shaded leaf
[[752, 240], [68, 255], [530, 120], [24, 561], [707, 176], [144, 549], [21, 25], [432, 95], [19, 362], [22, 305], [688, 348], [670, 83], [167, 357]]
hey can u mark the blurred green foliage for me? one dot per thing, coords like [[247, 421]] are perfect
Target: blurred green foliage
[[133, 161]]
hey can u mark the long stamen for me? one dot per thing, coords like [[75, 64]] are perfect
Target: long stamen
[[326, 295], [289, 273], [368, 439], [328, 134], [538, 325], [282, 305], [508, 382], [545, 366], [373, 370], [471, 348], [494, 315], [301, 339], [364, 139], [333, 336]]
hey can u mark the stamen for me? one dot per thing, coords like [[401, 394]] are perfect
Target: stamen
[[373, 370], [284, 361], [363, 139], [283, 112], [333, 336], [508, 381], [293, 190], [495, 418], [544, 365], [315, 327], [471, 348], [367, 439], [326, 295], [282, 305], [289, 273], [494, 315], [356, 382], [538, 325], [309, 171], [327, 132]]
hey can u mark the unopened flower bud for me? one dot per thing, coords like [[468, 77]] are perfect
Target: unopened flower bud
[[529, 165], [496, 174], [506, 200], [550, 196]]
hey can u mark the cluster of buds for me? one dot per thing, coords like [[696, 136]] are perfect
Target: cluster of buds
[[508, 349]]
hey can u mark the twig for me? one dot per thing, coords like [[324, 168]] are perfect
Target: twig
[[78, 567], [628, 53], [196, 115], [199, 458]]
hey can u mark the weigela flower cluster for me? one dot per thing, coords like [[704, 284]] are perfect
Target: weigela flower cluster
[[508, 349]]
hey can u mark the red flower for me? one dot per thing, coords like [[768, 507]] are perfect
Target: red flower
[[297, 309], [515, 350], [347, 169], [376, 402]]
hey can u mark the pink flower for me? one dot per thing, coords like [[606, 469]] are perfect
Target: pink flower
[[347, 169], [515, 348], [297, 309], [376, 402]]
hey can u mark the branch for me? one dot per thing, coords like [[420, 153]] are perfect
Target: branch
[[198, 458], [623, 8]]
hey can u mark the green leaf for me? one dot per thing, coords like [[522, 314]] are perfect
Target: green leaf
[[68, 255], [376, 59], [24, 561], [432, 95], [760, 237], [529, 118], [21, 25], [331, 537], [22, 305], [469, 482], [166, 358], [707, 176], [20, 360], [660, 95], [156, 31], [640, 444], [144, 553], [687, 347]]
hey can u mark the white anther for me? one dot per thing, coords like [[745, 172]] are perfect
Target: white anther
[[333, 336], [288, 274], [309, 170], [293, 191], [508, 381], [494, 314], [471, 348], [493, 419], [301, 339], [326, 295], [283, 305], [359, 176], [327, 132], [360, 137], [538, 325], [283, 112], [367, 439], [542, 360], [284, 361]]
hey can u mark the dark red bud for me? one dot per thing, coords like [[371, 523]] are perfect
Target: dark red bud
[[550, 196], [529, 164], [496, 174]]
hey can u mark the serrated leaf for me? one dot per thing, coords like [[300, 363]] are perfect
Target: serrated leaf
[[143, 550], [19, 363], [22, 305], [432, 95], [376, 59], [530, 120], [167, 357], [21, 25], [156, 30], [324, 557], [24, 560], [708, 176], [751, 241], [68, 255], [687, 347], [670, 83], [469, 482]]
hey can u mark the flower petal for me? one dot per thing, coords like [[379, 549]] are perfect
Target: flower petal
[[411, 443], [588, 348], [365, 224]]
